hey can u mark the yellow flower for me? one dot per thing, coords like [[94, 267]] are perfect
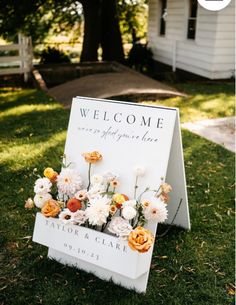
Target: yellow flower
[[92, 157], [146, 203], [119, 199], [51, 208], [140, 239], [48, 172]]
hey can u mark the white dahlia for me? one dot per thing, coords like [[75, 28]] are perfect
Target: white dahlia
[[120, 227], [156, 210], [129, 203], [41, 199], [69, 182], [42, 186], [98, 211], [129, 212]]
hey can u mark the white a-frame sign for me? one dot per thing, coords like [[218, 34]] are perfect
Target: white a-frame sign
[[127, 135]]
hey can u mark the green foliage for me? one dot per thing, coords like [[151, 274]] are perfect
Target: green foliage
[[133, 19], [56, 17], [38, 18], [53, 56], [191, 268]]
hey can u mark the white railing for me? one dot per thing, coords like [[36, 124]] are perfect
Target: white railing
[[17, 64]]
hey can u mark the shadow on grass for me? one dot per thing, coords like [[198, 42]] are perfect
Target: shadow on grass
[[34, 124], [18, 97]]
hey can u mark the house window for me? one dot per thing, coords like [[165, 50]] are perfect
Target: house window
[[192, 20], [163, 6]]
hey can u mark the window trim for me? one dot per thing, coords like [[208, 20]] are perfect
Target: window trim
[[192, 35], [161, 21]]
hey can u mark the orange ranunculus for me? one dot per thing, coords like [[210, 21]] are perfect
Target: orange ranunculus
[[74, 205], [140, 239], [51, 208], [54, 177], [119, 199], [92, 157], [50, 174]]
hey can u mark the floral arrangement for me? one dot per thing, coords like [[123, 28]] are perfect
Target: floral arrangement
[[99, 206]]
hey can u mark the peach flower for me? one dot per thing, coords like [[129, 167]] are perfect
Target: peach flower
[[92, 157], [164, 197], [166, 188], [140, 239], [114, 183], [29, 203], [51, 208], [113, 209]]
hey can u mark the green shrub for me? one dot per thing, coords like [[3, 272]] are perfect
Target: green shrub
[[53, 56], [140, 57]]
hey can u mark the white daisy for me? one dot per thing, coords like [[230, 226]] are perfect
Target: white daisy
[[156, 210], [66, 216], [129, 212], [120, 227], [42, 186], [69, 182], [81, 195], [41, 199], [98, 211]]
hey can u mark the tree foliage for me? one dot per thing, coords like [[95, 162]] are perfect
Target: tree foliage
[[37, 17], [104, 21], [133, 19]]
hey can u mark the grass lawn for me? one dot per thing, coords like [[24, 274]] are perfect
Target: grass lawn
[[203, 101], [187, 268]]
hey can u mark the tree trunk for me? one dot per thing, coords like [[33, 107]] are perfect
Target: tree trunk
[[111, 42], [101, 26], [92, 26]]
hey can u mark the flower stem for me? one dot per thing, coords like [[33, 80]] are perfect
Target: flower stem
[[136, 186], [170, 225], [89, 176]]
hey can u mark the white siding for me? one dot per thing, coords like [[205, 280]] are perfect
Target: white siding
[[210, 54], [224, 52]]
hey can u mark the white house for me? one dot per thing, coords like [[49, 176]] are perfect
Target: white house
[[184, 35]]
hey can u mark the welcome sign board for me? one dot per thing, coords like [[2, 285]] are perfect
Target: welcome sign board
[[127, 135]]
